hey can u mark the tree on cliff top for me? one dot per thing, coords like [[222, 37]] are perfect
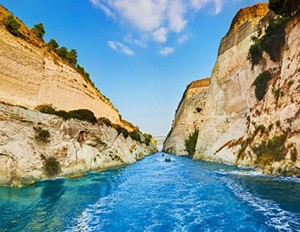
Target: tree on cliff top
[[12, 25], [284, 7], [52, 44], [39, 30]]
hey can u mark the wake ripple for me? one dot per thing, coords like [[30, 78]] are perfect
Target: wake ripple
[[276, 217]]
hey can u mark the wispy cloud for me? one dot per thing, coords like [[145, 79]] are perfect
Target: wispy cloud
[[119, 47], [166, 51], [156, 18], [182, 39]]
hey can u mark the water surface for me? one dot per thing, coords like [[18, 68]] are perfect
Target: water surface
[[152, 195]]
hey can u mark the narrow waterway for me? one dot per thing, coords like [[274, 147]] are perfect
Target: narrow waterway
[[154, 195]]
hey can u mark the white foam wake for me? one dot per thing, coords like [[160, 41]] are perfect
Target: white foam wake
[[276, 217]]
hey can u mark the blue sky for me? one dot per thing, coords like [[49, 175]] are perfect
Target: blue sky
[[140, 53]]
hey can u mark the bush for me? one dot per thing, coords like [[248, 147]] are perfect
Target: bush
[[148, 138], [274, 39], [39, 30], [12, 25], [84, 115], [261, 83], [271, 43], [81, 114], [284, 7], [272, 150], [45, 108], [135, 135], [191, 142], [255, 53], [42, 135], [104, 120], [51, 166]]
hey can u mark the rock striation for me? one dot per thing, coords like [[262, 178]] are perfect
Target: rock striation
[[35, 146], [235, 127]]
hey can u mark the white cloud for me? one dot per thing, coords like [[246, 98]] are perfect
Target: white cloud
[[166, 51], [156, 18], [119, 47], [99, 4], [129, 39], [160, 35], [182, 39]]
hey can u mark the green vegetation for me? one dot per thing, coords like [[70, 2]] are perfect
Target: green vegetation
[[52, 45], [121, 130], [81, 114], [51, 166], [42, 135], [39, 30], [271, 42], [261, 84], [272, 150], [12, 25], [284, 7], [255, 51], [274, 39], [135, 135], [105, 121], [148, 138], [191, 142]]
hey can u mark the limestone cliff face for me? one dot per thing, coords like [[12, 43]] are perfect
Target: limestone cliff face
[[78, 146], [188, 116], [30, 75], [235, 123]]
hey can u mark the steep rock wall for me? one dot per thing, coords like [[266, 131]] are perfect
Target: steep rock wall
[[30, 75], [234, 118], [78, 146], [189, 115]]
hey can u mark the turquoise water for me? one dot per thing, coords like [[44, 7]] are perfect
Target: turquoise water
[[152, 195]]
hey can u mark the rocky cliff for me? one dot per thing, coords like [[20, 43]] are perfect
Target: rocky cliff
[[35, 146], [236, 127]]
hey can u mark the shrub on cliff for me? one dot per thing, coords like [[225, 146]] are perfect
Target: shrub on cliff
[[255, 52], [148, 138], [51, 166], [121, 130], [135, 135], [84, 115], [191, 142], [271, 42], [274, 39], [39, 30], [12, 25], [105, 121], [42, 135], [284, 7], [271, 150], [261, 84], [45, 108], [81, 114]]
